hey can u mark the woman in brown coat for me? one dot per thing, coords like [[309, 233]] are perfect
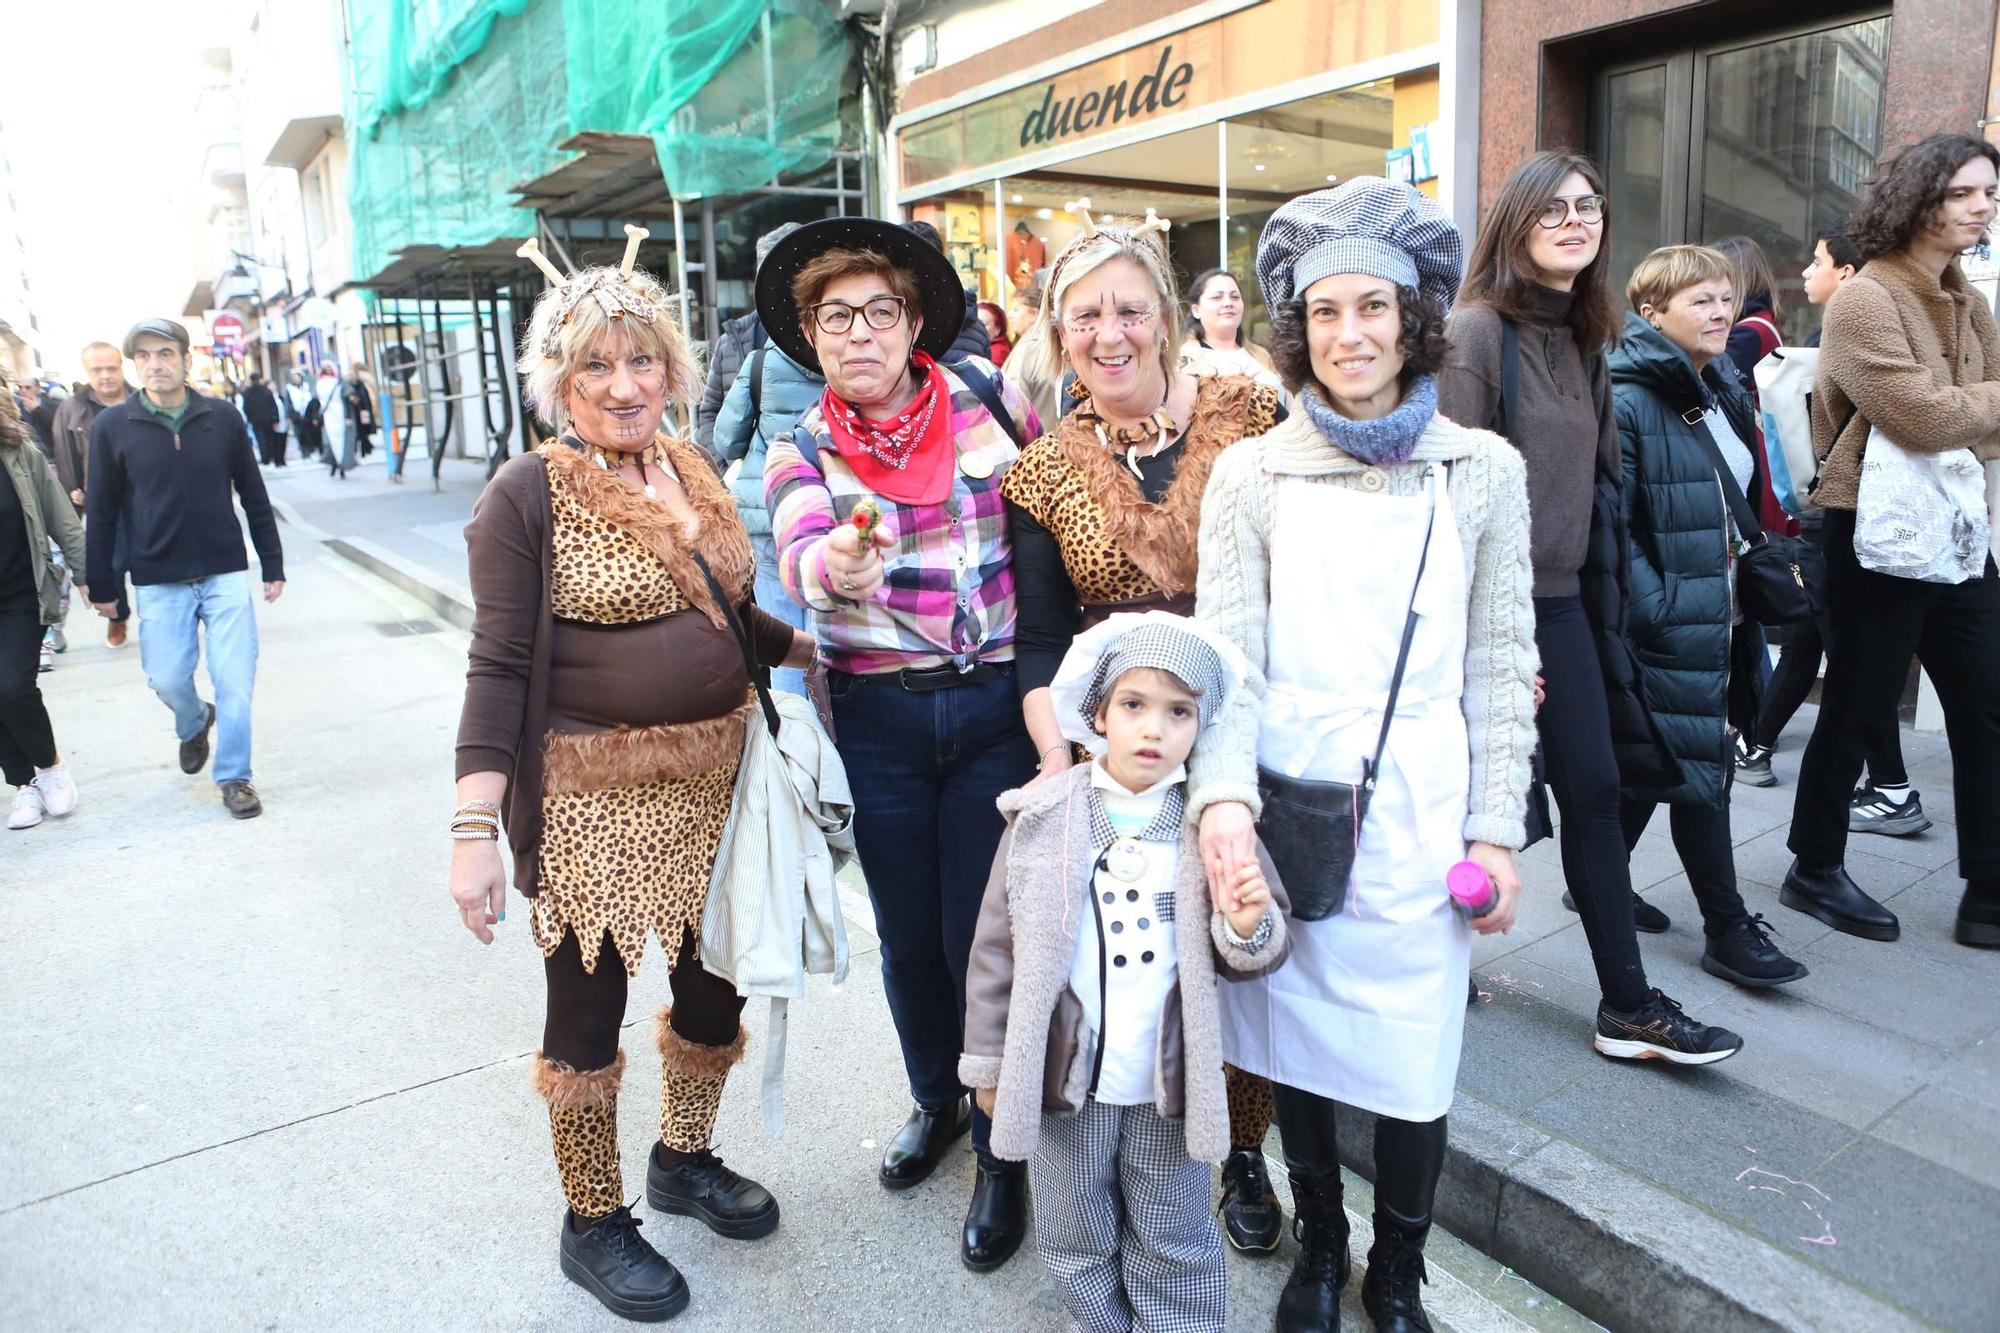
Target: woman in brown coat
[[1910, 350], [605, 712]]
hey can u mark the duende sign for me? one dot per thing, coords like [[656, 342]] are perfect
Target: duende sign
[[1164, 88]]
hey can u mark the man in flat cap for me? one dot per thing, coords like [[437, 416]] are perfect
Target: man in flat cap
[[163, 463]]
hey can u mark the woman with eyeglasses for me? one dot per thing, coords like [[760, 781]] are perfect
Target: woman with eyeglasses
[[1527, 360], [1105, 510], [886, 509]]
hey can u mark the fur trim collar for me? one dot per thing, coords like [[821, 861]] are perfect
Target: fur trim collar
[[717, 531], [1160, 538]]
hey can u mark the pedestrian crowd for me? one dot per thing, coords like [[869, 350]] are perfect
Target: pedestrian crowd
[[1185, 702]]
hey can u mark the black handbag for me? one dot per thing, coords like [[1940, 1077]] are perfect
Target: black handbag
[[1779, 580], [1312, 830]]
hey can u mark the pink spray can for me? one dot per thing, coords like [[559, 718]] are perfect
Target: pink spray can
[[1472, 893]]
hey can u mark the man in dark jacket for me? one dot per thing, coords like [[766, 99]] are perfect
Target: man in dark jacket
[[260, 407], [972, 339], [38, 414], [164, 463], [104, 371]]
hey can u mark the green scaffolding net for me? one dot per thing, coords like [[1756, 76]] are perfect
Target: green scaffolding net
[[452, 103]]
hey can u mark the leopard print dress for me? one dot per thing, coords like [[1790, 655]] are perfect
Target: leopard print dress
[[632, 817]]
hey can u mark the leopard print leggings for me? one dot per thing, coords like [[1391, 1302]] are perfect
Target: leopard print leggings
[[1250, 1107]]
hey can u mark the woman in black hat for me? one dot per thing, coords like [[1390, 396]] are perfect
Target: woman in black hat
[[890, 528]]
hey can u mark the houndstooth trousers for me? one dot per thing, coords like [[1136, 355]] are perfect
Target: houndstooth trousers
[[1123, 1224]]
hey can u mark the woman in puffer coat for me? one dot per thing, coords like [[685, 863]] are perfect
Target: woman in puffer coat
[[744, 430], [1671, 383]]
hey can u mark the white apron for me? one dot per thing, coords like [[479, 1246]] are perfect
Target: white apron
[[1370, 1008]]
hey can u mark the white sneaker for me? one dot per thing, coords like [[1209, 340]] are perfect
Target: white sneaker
[[58, 789], [48, 662], [28, 808], [57, 639]]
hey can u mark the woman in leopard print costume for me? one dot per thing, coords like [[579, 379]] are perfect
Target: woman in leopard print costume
[[1104, 510], [605, 713]]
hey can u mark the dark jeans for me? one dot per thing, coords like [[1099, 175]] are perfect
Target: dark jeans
[[27, 741], [1798, 669], [587, 1009], [1575, 724], [1707, 852], [1878, 622], [1409, 1154], [926, 769]]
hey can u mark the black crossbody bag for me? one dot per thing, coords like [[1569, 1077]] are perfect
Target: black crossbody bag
[[1779, 580], [1311, 829]]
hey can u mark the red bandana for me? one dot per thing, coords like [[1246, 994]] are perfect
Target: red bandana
[[907, 459]]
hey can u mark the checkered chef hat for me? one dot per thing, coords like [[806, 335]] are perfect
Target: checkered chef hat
[[1186, 649], [1363, 225]]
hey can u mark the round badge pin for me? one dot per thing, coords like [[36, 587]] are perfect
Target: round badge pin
[[1126, 860], [976, 465]]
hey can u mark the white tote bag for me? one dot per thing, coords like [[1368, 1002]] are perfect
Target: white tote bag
[[1784, 396], [1921, 516]]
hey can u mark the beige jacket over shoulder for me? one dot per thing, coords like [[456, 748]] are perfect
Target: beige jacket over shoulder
[[1489, 496]]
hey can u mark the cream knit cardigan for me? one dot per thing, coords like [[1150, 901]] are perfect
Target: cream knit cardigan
[[1489, 495]]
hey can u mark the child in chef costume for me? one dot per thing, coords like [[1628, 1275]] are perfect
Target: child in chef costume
[[1092, 1030]]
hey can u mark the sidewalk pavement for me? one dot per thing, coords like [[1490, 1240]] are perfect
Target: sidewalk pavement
[[1839, 1173], [258, 1077]]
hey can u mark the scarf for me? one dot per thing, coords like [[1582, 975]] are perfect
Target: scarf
[[1385, 441], [301, 396], [908, 459]]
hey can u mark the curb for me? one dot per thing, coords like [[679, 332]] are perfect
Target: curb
[[1613, 1246], [449, 601]]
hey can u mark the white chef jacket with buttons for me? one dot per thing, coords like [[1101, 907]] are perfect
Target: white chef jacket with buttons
[[1139, 971]]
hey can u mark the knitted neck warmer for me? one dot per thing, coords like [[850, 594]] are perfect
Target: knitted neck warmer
[[1385, 441]]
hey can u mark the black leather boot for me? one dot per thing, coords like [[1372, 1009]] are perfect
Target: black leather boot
[[1310, 1302], [1252, 1218], [1392, 1290], [1829, 894], [609, 1259], [919, 1145], [703, 1187], [1979, 914], [997, 1221]]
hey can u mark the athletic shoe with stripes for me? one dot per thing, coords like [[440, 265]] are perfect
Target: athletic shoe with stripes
[[1660, 1030], [1872, 812]]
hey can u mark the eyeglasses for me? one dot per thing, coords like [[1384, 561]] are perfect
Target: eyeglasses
[[1129, 317], [838, 316], [1589, 209]]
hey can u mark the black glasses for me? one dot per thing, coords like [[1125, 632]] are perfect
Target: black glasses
[[1589, 209], [838, 316]]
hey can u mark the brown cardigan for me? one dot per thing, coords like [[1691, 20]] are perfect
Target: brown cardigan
[[510, 546], [1918, 357]]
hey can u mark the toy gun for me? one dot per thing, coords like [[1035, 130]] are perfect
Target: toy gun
[[867, 516]]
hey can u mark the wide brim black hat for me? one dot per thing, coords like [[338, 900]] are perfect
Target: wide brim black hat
[[938, 283]]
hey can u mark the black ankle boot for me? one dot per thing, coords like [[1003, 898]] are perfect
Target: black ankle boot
[[609, 1259], [703, 1187], [1252, 1218], [1979, 914], [1829, 894], [1392, 1290], [919, 1145], [1310, 1302], [997, 1221]]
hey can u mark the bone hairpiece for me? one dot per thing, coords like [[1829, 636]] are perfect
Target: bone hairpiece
[[531, 250], [633, 235], [1153, 222], [1081, 207]]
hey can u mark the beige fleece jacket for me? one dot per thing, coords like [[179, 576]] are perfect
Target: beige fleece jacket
[[1489, 495]]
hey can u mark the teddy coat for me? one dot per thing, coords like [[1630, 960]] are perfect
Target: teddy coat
[[1025, 1031]]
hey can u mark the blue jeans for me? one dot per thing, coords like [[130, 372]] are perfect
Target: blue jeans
[[171, 620], [926, 771], [772, 598]]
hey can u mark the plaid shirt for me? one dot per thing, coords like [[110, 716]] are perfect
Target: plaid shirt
[[947, 594]]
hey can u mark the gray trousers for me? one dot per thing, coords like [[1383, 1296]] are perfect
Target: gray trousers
[[1123, 1223]]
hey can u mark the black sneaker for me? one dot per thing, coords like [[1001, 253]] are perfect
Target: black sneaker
[[1745, 955], [1646, 918], [1753, 765], [1660, 1030], [194, 753], [612, 1261], [1252, 1218], [1872, 812], [703, 1187]]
